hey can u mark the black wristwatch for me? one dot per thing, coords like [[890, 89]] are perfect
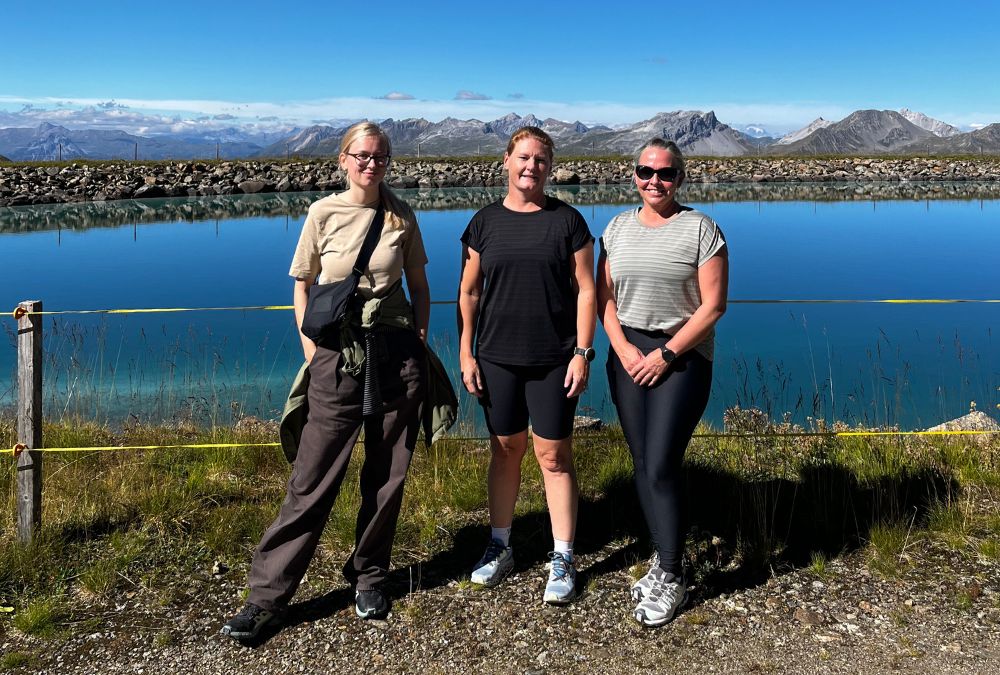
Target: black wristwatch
[[586, 352], [667, 354]]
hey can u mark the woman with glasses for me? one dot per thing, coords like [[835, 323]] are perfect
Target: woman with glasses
[[338, 393], [662, 280], [526, 319]]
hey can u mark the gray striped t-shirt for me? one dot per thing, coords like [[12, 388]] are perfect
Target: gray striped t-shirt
[[655, 269]]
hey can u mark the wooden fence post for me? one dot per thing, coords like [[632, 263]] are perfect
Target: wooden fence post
[[29, 419]]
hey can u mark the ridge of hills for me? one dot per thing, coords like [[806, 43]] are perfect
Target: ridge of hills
[[696, 133]]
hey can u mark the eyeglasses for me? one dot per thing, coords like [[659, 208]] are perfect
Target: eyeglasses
[[667, 174], [362, 158]]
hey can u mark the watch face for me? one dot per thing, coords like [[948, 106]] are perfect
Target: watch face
[[668, 355], [588, 353]]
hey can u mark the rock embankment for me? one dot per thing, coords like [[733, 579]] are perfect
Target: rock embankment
[[82, 182]]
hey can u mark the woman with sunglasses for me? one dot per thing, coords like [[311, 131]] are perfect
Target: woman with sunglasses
[[662, 280], [526, 319], [338, 394]]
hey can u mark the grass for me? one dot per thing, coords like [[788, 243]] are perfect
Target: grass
[[118, 521], [41, 618], [15, 660], [818, 564], [887, 546]]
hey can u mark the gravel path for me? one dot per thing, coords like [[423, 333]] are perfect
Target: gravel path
[[940, 614]]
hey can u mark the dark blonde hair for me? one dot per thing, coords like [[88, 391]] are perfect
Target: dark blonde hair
[[676, 158], [532, 132], [397, 213]]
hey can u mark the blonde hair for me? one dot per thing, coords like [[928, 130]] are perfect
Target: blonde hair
[[535, 133], [397, 213]]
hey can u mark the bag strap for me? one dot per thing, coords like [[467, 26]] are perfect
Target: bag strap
[[371, 241]]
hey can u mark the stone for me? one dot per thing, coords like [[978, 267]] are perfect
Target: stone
[[149, 192], [252, 187], [807, 617], [565, 177], [583, 423], [975, 420]]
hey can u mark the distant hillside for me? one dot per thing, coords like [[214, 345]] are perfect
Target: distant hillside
[[861, 132], [985, 141], [864, 132], [936, 127], [696, 133], [818, 123], [48, 142]]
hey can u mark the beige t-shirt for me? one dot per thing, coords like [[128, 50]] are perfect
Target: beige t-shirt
[[332, 236]]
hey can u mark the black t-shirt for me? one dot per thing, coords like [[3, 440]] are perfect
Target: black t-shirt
[[527, 312]]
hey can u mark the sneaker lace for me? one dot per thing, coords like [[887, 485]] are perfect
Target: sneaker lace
[[664, 590], [493, 551], [249, 611], [559, 565]]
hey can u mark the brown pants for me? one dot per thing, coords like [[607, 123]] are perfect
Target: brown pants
[[329, 436]]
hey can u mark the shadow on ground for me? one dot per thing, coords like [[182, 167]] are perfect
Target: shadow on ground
[[764, 525]]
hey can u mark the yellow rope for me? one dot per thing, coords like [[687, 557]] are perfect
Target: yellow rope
[[197, 446], [803, 301], [842, 434], [799, 434]]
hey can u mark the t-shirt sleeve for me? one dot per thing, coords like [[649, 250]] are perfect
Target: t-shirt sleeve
[[414, 254], [711, 240], [608, 236], [305, 261], [579, 233], [472, 237]]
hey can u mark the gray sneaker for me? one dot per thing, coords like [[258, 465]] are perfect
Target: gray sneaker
[[665, 597], [561, 587], [640, 589], [496, 563]]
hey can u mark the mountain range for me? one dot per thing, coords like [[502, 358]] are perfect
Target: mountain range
[[863, 132]]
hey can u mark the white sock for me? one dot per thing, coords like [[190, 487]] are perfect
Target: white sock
[[502, 534], [564, 547]]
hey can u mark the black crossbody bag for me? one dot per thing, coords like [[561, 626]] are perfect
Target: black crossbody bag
[[328, 303]]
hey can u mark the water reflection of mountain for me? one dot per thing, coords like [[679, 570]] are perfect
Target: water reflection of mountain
[[87, 215]]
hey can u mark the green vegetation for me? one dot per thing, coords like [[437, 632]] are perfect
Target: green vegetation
[[818, 564], [116, 521], [15, 660], [887, 546], [42, 617]]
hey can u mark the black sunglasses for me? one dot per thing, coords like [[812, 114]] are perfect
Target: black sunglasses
[[667, 174]]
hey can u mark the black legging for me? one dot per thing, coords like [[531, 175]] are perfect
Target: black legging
[[658, 422]]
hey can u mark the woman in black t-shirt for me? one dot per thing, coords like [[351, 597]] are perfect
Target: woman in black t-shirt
[[526, 315]]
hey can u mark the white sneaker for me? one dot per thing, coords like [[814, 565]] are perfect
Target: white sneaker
[[665, 597], [640, 589], [496, 563], [561, 587]]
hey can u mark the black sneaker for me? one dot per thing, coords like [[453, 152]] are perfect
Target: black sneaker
[[371, 604], [250, 621]]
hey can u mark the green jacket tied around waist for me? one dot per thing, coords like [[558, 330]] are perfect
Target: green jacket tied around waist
[[439, 410]]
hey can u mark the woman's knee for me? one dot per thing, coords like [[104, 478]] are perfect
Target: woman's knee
[[554, 456], [509, 448]]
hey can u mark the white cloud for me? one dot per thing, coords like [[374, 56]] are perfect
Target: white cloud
[[466, 95], [397, 96]]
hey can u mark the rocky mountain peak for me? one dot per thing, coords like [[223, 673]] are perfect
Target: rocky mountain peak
[[936, 127]]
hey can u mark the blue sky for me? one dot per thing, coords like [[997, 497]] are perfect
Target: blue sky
[[153, 66]]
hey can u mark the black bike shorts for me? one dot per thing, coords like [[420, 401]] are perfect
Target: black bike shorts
[[515, 394]]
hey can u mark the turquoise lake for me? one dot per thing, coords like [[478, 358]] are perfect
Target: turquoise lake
[[911, 365]]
